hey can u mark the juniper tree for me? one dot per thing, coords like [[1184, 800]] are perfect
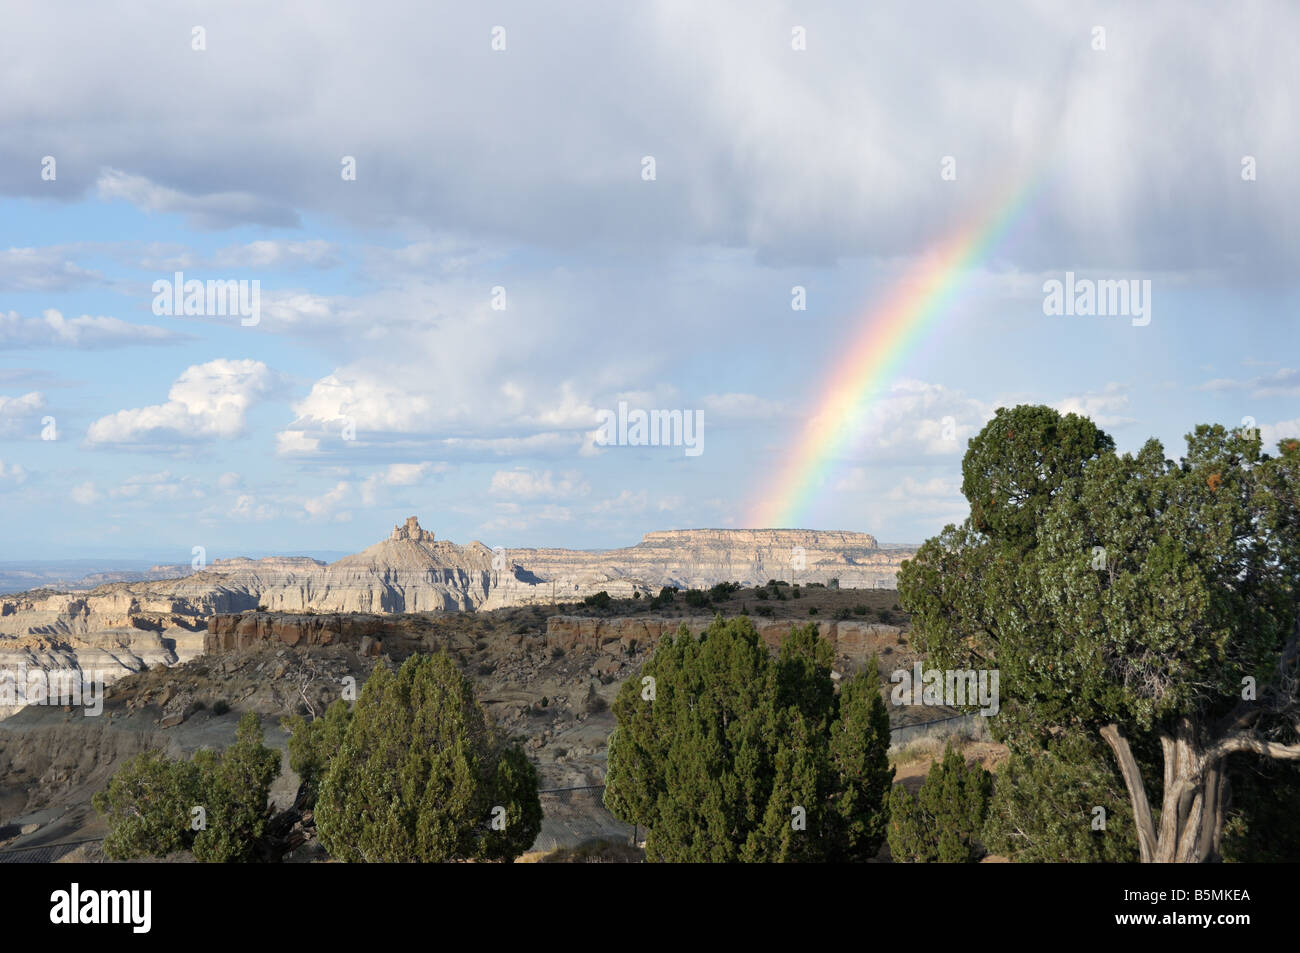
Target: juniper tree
[[725, 753], [150, 803], [1150, 603], [236, 784], [422, 774], [313, 743], [147, 805], [943, 822]]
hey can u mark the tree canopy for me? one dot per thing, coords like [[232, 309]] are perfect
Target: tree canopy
[[1144, 601], [422, 774], [726, 753]]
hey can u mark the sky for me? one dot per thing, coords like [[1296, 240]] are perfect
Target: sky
[[477, 229]]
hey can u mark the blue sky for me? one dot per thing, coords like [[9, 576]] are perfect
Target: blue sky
[[522, 168]]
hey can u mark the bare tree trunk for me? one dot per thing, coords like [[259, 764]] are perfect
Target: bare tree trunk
[[1195, 768], [1137, 792], [1191, 810]]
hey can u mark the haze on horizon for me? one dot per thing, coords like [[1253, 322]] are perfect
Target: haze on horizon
[[440, 334]]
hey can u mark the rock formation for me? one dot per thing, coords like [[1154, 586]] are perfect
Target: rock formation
[[854, 640], [254, 630], [128, 626]]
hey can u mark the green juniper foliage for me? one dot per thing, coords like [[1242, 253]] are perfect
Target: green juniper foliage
[[1129, 597], [313, 743], [148, 804], [943, 822], [236, 784], [725, 753], [422, 775], [1044, 804]]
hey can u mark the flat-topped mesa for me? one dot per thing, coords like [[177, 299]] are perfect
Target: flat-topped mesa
[[809, 538], [411, 530]]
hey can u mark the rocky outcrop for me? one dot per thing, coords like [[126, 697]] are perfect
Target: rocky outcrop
[[856, 641], [254, 630]]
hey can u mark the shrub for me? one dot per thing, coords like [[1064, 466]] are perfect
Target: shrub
[[696, 598], [943, 821], [1043, 802], [723, 590], [424, 776], [147, 806], [600, 600], [812, 610], [236, 785], [736, 741], [761, 593], [149, 803], [220, 707], [313, 743]]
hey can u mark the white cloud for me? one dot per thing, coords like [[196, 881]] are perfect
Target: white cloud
[[15, 411], [625, 502], [52, 329], [210, 211], [1039, 98], [1270, 434], [550, 444], [398, 474], [43, 269], [936, 488], [228, 481], [1104, 408], [528, 484], [295, 442], [247, 509], [917, 420], [1284, 382], [266, 253], [22, 406], [326, 505], [85, 493], [13, 472], [1222, 384], [208, 401], [852, 481], [159, 486]]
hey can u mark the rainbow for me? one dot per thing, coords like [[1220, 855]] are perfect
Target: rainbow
[[890, 332]]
